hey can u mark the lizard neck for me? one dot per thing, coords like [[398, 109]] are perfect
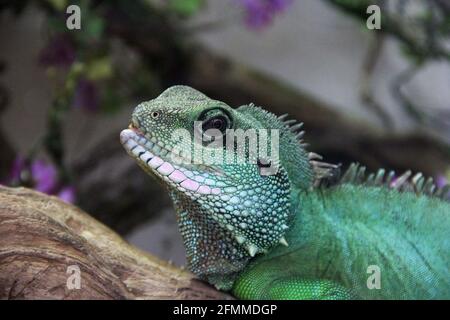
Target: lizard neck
[[218, 252], [212, 252]]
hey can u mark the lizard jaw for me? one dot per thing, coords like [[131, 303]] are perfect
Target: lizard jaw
[[184, 180]]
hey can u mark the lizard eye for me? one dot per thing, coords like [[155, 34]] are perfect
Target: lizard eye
[[154, 114], [218, 122], [213, 123]]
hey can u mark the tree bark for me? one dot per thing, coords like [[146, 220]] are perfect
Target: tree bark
[[41, 237]]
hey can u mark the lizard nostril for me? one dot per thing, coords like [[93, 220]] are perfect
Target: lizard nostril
[[134, 123]]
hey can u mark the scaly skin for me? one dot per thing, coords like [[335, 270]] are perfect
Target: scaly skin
[[282, 236]]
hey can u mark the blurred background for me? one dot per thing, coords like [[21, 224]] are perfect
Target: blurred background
[[379, 97]]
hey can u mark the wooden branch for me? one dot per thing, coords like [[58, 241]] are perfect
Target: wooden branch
[[41, 236]]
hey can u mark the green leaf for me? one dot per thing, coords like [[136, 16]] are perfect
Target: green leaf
[[94, 27], [59, 5], [185, 7], [100, 68]]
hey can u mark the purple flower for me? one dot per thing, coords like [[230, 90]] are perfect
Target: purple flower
[[260, 13], [59, 52], [44, 176], [41, 176], [441, 181], [86, 95], [67, 194]]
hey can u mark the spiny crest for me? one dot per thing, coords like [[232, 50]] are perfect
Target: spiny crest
[[322, 170], [356, 174], [293, 126]]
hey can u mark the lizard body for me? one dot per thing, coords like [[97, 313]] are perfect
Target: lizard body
[[281, 233]]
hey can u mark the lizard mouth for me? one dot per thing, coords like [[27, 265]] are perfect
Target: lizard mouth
[[155, 160]]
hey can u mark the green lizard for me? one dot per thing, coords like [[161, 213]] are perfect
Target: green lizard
[[286, 233]]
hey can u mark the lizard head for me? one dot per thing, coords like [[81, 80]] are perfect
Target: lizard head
[[228, 171]]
